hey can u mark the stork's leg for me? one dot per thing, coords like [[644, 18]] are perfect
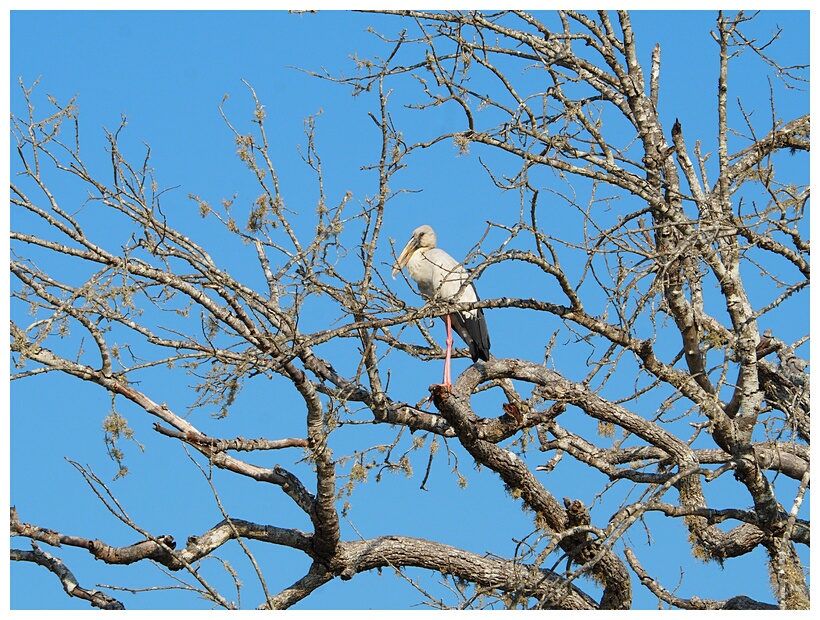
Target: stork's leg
[[448, 382]]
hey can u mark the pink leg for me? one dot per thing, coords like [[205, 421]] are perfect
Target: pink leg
[[448, 382]]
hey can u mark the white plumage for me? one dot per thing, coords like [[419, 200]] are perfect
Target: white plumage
[[440, 277]]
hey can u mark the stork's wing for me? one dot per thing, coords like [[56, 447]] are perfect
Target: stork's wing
[[472, 328]]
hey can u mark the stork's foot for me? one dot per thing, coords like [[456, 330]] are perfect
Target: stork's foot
[[438, 392]]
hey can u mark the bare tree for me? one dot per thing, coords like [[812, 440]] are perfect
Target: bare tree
[[678, 256]]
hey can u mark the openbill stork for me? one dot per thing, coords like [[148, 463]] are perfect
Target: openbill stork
[[440, 277]]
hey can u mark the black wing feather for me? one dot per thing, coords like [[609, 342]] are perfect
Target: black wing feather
[[473, 331]]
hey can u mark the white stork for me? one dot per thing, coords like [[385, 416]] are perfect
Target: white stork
[[440, 277]]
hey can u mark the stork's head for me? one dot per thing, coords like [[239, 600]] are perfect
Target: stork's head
[[424, 238]]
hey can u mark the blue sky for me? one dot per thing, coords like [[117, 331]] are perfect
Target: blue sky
[[168, 72]]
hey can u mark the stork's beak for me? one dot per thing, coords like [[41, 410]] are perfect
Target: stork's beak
[[405, 255]]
